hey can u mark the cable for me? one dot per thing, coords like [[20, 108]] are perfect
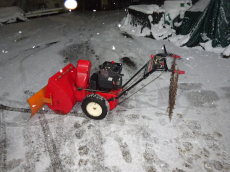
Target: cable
[[142, 87], [127, 87]]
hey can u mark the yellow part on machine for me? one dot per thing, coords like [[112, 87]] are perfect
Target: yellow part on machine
[[37, 101]]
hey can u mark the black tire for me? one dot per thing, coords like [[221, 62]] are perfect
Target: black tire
[[95, 106]]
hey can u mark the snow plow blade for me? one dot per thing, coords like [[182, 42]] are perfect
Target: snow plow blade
[[37, 101]]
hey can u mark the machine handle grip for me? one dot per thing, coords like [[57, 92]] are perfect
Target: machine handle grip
[[175, 56], [180, 71]]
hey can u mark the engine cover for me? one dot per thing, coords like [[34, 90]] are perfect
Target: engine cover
[[109, 76]]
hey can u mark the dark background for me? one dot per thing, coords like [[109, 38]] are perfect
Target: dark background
[[29, 5]]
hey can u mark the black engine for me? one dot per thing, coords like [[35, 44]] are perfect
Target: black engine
[[108, 78]]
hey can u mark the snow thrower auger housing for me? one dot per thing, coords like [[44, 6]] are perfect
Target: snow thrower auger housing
[[98, 93]]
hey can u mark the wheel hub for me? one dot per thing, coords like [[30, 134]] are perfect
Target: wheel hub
[[94, 109]]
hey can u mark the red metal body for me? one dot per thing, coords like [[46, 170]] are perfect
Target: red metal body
[[150, 68], [175, 56], [63, 87], [82, 79], [111, 94]]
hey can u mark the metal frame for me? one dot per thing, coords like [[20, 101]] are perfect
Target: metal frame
[[153, 69]]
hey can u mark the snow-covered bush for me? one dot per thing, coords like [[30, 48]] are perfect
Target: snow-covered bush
[[11, 15], [161, 30], [173, 8], [146, 20]]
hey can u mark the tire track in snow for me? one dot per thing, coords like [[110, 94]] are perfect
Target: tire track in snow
[[25, 110], [24, 54], [162, 98], [30, 149], [59, 132], [50, 144], [124, 150], [3, 150], [14, 109], [31, 51]]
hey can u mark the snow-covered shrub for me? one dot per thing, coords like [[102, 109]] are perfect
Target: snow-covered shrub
[[146, 20], [11, 15]]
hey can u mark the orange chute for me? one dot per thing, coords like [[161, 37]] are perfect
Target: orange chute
[[37, 101]]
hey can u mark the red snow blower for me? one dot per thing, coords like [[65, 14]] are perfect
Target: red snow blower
[[98, 93]]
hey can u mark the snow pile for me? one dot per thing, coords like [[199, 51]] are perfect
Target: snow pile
[[11, 14], [227, 51], [158, 31], [147, 9], [176, 24], [208, 47], [137, 30], [162, 31], [179, 40], [174, 8]]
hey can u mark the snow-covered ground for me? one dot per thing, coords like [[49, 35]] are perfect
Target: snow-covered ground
[[137, 135]]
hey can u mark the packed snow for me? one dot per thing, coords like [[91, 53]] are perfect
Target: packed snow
[[11, 15], [137, 135]]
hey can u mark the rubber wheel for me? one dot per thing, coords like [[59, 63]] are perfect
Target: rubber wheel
[[95, 106]]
